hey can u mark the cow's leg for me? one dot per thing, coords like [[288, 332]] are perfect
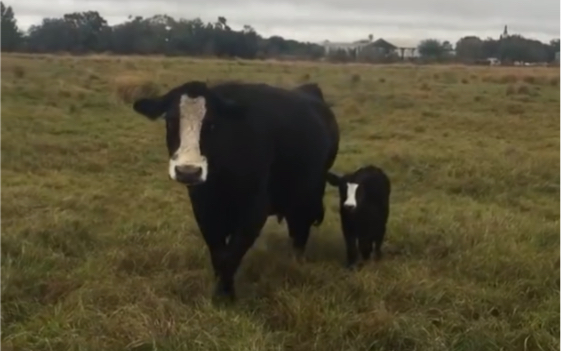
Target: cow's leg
[[352, 252], [307, 210], [381, 232], [216, 243], [378, 250], [299, 230], [214, 233], [214, 230], [350, 241], [252, 220], [365, 246], [378, 241]]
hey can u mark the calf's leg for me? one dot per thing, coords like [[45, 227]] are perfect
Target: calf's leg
[[379, 239], [350, 241], [352, 252], [365, 246]]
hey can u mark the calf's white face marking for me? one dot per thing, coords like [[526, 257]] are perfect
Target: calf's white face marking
[[191, 114], [351, 195]]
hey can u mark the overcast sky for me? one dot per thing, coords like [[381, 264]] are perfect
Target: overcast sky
[[335, 20]]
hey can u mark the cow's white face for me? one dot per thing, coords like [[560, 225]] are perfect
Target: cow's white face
[[351, 189], [200, 128], [350, 201], [187, 164]]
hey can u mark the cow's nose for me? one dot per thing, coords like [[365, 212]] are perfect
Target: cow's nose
[[188, 174]]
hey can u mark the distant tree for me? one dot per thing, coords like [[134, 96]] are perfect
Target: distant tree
[[52, 35], [85, 32], [432, 48], [447, 46], [78, 32], [490, 48], [249, 42], [518, 48], [86, 28], [469, 48], [221, 24], [552, 49], [554, 43], [10, 35]]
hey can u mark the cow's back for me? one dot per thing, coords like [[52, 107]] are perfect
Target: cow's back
[[313, 91], [303, 143], [302, 128]]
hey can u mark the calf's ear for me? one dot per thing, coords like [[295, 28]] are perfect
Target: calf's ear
[[333, 179], [151, 108]]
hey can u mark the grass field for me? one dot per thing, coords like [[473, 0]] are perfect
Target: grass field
[[100, 251]]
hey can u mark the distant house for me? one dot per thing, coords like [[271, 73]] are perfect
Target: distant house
[[557, 56], [383, 46], [396, 47], [330, 47], [379, 47]]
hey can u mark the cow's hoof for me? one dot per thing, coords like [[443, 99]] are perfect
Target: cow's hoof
[[223, 300], [223, 294], [220, 300], [299, 256]]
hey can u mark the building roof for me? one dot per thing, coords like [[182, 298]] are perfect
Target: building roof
[[344, 45], [403, 43], [381, 43], [390, 43]]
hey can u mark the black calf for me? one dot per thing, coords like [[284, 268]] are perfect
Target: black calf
[[364, 204]]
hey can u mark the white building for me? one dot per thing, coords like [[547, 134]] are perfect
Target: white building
[[347, 47], [403, 48]]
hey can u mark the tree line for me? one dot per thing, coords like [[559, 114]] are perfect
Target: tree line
[[509, 49], [88, 32]]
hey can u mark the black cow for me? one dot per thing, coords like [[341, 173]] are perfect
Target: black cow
[[246, 151], [364, 207], [314, 91]]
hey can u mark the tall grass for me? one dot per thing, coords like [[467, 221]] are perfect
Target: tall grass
[[100, 250]]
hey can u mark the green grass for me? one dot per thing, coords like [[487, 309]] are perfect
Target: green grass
[[100, 250]]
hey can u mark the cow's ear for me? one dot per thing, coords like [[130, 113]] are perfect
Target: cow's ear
[[312, 89], [155, 107], [333, 178], [151, 107]]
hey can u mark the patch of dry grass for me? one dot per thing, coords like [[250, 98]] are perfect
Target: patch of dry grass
[[100, 250], [355, 78], [18, 72], [131, 87]]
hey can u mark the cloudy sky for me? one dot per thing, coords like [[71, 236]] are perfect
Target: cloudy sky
[[336, 20]]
